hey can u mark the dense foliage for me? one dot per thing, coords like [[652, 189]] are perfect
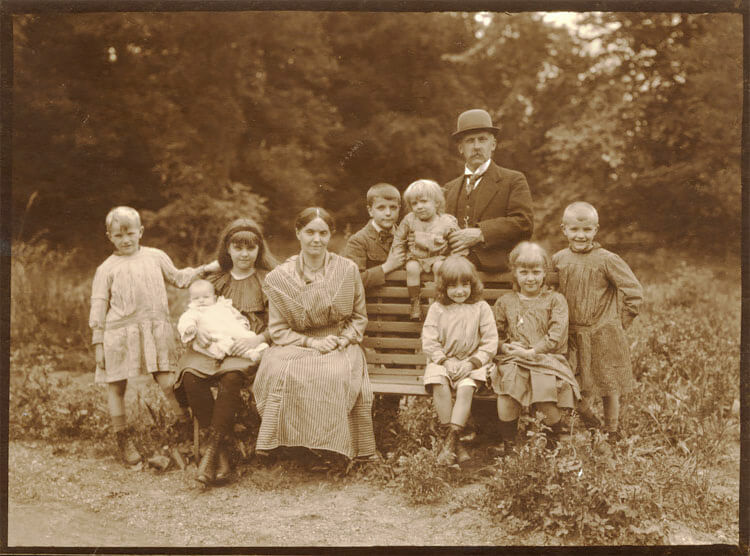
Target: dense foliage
[[197, 117]]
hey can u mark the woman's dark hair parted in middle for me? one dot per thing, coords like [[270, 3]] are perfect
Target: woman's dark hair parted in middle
[[310, 214]]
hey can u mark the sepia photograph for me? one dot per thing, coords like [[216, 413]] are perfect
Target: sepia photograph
[[430, 275]]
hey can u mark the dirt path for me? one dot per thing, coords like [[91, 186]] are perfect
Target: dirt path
[[80, 498], [65, 500]]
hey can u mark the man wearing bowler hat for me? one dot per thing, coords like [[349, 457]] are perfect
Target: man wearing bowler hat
[[492, 204]]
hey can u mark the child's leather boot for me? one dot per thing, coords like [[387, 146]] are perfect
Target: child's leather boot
[[207, 466], [508, 432], [126, 447], [223, 466], [447, 455]]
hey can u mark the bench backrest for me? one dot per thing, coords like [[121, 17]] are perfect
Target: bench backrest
[[392, 342]]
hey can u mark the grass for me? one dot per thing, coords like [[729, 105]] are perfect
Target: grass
[[681, 423]]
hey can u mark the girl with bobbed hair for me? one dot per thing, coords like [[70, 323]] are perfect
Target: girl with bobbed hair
[[459, 340]]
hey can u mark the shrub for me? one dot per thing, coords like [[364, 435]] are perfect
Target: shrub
[[579, 492], [421, 477]]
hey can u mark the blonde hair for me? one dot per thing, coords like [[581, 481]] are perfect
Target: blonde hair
[[574, 210], [528, 254], [127, 214], [427, 188]]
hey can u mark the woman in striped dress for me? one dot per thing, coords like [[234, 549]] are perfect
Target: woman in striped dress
[[312, 388]]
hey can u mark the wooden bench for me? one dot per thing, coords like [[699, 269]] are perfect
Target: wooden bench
[[392, 342]]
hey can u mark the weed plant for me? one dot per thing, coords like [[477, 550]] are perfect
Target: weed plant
[[49, 302]]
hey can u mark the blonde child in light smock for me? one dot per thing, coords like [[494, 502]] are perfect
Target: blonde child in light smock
[[129, 318], [532, 324], [422, 237]]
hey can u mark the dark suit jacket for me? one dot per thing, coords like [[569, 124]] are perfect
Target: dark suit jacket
[[502, 211], [365, 249]]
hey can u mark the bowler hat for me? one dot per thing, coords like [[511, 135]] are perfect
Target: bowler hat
[[474, 120]]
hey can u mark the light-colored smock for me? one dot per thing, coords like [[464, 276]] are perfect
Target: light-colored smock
[[598, 347], [247, 297], [306, 398], [425, 242], [541, 323], [130, 314], [456, 333]]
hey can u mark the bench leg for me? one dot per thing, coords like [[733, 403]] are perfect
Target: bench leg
[[196, 440]]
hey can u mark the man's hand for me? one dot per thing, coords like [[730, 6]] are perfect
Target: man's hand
[[99, 355], [393, 262], [243, 345], [464, 239]]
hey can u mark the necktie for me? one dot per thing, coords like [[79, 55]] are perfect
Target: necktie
[[385, 237], [471, 182]]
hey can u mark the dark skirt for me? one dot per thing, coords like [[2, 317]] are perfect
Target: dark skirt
[[204, 366]]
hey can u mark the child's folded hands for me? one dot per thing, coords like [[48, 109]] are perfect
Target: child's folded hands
[[463, 370], [518, 350]]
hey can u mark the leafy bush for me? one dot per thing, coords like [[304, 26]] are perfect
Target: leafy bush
[[576, 493], [419, 425], [421, 477]]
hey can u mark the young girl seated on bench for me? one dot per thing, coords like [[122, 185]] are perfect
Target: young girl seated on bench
[[459, 340]]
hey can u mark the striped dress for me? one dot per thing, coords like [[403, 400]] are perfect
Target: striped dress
[[306, 398]]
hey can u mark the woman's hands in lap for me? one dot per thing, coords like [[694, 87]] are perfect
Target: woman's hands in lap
[[329, 343]]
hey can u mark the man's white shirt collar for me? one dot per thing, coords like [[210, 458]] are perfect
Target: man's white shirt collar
[[481, 170]]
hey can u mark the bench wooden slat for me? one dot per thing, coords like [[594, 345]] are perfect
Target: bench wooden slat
[[400, 276], [395, 358], [413, 326], [402, 293], [390, 309], [398, 291], [397, 378], [379, 370], [392, 343], [398, 389]]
